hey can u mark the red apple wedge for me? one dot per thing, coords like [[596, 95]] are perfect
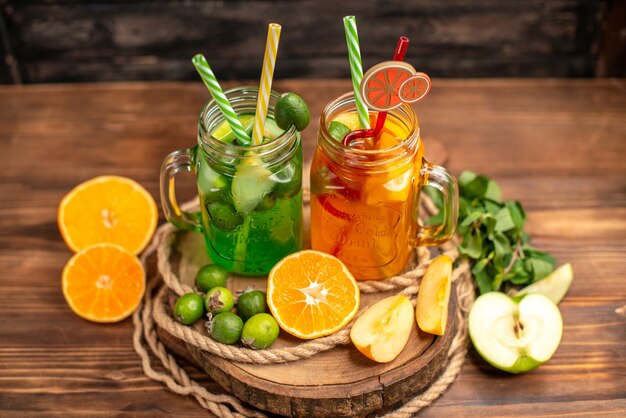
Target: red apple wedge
[[383, 330], [431, 308]]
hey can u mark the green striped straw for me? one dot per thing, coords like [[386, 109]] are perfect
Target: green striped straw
[[356, 68], [203, 68]]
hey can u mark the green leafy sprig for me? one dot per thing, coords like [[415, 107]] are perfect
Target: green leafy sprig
[[493, 236]]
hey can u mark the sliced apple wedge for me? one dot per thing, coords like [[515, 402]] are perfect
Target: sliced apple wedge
[[515, 335], [554, 286], [383, 330], [431, 309]]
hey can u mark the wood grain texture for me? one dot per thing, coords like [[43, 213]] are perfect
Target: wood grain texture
[[557, 146], [154, 40]]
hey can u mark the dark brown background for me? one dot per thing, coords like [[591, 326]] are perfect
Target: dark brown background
[[74, 40]]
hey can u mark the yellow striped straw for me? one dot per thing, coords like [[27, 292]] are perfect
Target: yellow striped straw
[[265, 87]]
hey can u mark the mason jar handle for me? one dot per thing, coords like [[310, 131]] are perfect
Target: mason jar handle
[[181, 160], [439, 178]]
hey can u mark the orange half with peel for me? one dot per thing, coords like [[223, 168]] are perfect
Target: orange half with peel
[[103, 283], [108, 209], [312, 294]]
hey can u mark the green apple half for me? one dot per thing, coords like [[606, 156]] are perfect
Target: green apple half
[[515, 334]]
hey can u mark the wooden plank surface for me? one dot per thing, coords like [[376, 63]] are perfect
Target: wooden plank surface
[[558, 146], [86, 40]]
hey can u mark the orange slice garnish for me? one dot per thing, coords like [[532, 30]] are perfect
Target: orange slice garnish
[[380, 85], [415, 88]]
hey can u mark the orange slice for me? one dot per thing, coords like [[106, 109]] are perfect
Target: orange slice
[[108, 209], [312, 294], [381, 84], [103, 283], [415, 88]]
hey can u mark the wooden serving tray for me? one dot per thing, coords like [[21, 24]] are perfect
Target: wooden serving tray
[[338, 382]]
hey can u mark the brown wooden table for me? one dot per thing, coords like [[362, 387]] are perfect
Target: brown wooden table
[[558, 146]]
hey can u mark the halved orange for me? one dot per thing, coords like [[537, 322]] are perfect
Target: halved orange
[[312, 294], [108, 209], [104, 283]]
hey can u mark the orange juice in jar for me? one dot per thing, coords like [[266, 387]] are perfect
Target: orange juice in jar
[[365, 198]]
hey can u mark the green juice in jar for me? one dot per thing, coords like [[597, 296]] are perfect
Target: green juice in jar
[[251, 202]]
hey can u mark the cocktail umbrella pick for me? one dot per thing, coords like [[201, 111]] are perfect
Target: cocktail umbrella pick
[[209, 79], [265, 86], [356, 68]]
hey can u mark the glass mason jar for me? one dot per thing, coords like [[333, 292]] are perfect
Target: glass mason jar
[[364, 202], [250, 196]]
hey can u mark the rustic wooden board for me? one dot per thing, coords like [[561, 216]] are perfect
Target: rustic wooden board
[[556, 145], [338, 382]]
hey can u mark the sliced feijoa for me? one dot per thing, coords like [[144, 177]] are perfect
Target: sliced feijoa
[[211, 183], [251, 184], [224, 216], [288, 180]]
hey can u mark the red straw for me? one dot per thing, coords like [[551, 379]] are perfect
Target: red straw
[[403, 44]]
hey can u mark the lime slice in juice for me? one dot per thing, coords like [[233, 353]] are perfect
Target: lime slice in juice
[[272, 131], [338, 130], [350, 119], [224, 134]]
